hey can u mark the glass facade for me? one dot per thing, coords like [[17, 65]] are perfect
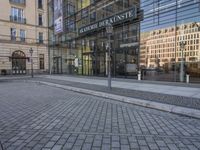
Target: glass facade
[[161, 40], [91, 46], [169, 43]]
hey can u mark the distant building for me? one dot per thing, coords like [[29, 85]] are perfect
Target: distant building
[[23, 25], [158, 47], [169, 39]]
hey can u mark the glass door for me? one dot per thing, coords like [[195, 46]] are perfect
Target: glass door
[[87, 64], [120, 63]]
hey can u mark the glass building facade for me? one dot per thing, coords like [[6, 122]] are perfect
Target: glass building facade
[[169, 43], [86, 39], [160, 38]]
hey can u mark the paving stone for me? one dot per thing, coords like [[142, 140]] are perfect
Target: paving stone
[[86, 146], [50, 144], [57, 147], [61, 119], [125, 147], [115, 144], [97, 143]]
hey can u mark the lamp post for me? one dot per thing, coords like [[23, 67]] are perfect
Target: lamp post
[[109, 31], [31, 52]]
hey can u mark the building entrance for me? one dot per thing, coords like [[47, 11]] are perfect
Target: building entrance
[[126, 63], [18, 62], [57, 66], [88, 64]]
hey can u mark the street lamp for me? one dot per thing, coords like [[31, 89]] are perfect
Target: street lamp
[[182, 47], [109, 31], [31, 52]]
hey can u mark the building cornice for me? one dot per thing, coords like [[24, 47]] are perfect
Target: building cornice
[[22, 43], [30, 25]]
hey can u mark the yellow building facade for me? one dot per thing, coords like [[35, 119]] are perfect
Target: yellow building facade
[[23, 25]]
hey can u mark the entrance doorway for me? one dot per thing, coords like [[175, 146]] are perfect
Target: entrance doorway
[[57, 66], [88, 66], [18, 62], [126, 63]]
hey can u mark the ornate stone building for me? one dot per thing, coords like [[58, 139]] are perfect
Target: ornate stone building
[[23, 25]]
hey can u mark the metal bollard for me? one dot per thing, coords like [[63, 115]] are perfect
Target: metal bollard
[[187, 78], [139, 75]]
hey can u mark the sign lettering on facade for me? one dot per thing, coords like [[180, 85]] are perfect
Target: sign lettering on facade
[[115, 19]]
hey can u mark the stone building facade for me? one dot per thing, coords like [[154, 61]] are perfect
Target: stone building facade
[[23, 25]]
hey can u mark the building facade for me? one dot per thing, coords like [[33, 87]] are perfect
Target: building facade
[[84, 40], [161, 39], [23, 25], [169, 46]]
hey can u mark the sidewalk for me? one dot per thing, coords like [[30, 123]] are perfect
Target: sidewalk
[[176, 98], [186, 91], [181, 100]]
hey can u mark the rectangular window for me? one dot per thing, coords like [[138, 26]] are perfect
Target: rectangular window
[[41, 59], [17, 15], [40, 5], [22, 35], [40, 20], [18, 1], [70, 9], [84, 13], [70, 25], [41, 37], [13, 34], [93, 17]]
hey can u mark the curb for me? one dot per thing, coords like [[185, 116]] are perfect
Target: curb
[[13, 78], [144, 103]]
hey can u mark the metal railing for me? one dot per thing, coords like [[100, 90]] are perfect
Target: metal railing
[[17, 19]]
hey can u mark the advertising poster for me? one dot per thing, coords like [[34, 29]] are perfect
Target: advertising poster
[[58, 16]]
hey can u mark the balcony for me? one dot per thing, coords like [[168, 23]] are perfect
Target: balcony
[[20, 2], [17, 19]]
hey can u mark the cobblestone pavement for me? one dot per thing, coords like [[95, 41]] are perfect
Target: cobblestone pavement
[[150, 96], [35, 116]]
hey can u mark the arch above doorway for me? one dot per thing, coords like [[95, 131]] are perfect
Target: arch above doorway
[[18, 62]]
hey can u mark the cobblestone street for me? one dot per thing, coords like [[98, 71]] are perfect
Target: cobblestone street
[[34, 116]]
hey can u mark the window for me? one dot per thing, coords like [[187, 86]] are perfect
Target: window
[[41, 59], [40, 37], [84, 13], [22, 35], [17, 15], [40, 5], [70, 9], [93, 17], [13, 33], [70, 25], [40, 20], [18, 1]]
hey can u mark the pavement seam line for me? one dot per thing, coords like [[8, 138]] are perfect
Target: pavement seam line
[[144, 103]]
